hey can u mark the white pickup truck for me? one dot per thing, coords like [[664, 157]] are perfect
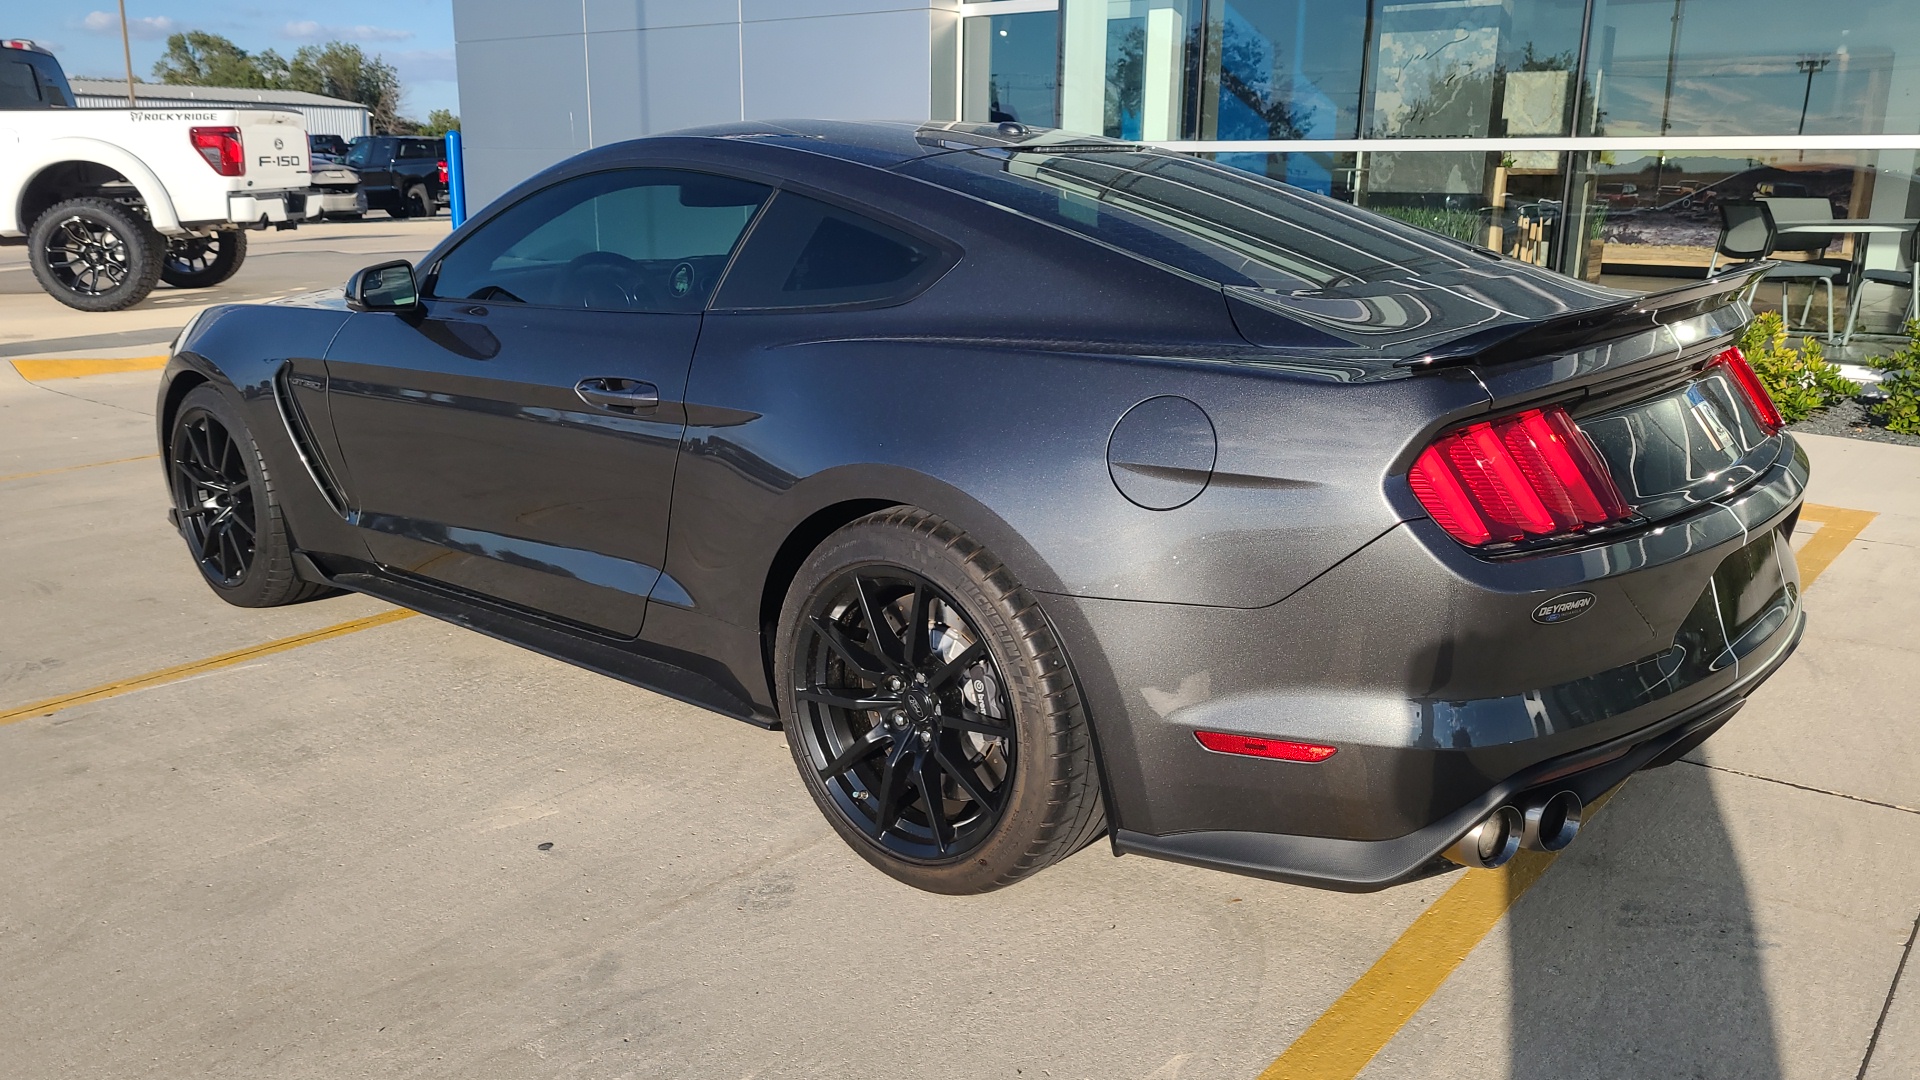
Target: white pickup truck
[[111, 201]]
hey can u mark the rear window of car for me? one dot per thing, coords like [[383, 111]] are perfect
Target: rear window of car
[[414, 149], [1213, 221], [805, 253]]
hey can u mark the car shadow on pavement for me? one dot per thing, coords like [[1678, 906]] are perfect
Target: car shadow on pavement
[[1637, 954]]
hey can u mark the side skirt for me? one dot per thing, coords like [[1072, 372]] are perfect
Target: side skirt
[[624, 662]]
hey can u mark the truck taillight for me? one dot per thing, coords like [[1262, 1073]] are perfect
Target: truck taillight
[[221, 147], [1527, 476], [443, 174]]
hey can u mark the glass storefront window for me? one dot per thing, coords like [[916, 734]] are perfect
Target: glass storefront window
[[1473, 67], [1753, 67], [1011, 68]]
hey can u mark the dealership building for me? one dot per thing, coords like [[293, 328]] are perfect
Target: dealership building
[[1588, 136]]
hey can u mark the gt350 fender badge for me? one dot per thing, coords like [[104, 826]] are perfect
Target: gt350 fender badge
[[1564, 607]]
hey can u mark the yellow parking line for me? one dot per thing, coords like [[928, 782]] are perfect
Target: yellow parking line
[[1360, 1023], [1364, 1019], [70, 468], [182, 671], [42, 370], [1838, 528]]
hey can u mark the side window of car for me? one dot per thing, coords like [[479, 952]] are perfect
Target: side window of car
[[629, 240], [805, 253], [18, 88]]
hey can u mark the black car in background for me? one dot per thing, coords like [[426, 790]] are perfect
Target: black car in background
[[332, 146], [1039, 486], [405, 175]]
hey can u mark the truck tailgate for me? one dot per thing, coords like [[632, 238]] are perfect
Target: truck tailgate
[[275, 144]]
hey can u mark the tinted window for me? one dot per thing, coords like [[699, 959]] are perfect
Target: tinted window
[[632, 240], [18, 88], [358, 152], [414, 150], [53, 83], [1212, 221], [805, 253]]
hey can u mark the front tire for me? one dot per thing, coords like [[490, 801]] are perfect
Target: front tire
[[931, 710], [227, 510], [199, 262], [94, 254]]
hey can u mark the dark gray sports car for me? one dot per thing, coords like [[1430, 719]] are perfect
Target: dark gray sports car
[[1038, 486]]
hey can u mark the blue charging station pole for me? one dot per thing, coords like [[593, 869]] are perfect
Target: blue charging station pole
[[456, 180]]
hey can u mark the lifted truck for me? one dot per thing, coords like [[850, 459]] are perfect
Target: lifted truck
[[111, 201]]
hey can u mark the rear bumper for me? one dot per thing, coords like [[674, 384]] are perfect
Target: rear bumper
[[333, 201], [267, 208], [1424, 666], [1369, 865]]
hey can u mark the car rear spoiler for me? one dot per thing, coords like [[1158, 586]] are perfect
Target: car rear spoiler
[[1593, 326]]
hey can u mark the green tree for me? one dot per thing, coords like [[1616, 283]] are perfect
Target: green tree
[[197, 58], [340, 70], [439, 122]]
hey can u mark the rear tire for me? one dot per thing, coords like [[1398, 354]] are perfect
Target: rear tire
[[977, 705], [419, 204], [199, 262], [95, 254], [229, 515]]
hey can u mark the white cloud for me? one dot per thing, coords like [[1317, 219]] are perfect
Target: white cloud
[[309, 30], [151, 28]]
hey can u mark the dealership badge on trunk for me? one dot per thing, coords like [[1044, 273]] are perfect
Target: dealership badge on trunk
[[1563, 607]]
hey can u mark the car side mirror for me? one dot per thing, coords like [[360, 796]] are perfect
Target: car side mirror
[[386, 287]]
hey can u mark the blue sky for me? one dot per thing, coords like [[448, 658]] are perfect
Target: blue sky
[[416, 36]]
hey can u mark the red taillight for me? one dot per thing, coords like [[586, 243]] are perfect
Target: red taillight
[[443, 172], [221, 147], [1248, 746], [1743, 375], [1521, 477]]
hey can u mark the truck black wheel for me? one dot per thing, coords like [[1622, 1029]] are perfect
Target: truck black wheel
[[94, 254], [931, 710], [199, 262], [419, 203], [224, 501]]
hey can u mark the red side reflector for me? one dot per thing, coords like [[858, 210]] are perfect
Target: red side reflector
[[1522, 477], [1249, 746], [1749, 382], [220, 146]]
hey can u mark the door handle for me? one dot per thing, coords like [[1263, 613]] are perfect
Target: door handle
[[618, 395]]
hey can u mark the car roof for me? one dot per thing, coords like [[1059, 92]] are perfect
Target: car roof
[[885, 143]]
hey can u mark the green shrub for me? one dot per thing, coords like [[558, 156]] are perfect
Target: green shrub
[[1463, 225], [1901, 410], [1800, 380]]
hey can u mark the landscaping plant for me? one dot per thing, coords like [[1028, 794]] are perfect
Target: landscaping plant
[[1901, 409], [1801, 380]]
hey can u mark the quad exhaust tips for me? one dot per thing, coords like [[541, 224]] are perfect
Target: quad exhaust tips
[[1546, 824], [1552, 822], [1488, 845]]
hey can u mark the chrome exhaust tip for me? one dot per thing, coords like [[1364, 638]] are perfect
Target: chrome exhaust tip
[[1552, 822], [1488, 845]]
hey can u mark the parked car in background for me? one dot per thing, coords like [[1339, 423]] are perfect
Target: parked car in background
[[331, 145], [110, 202], [1038, 486], [405, 175], [335, 192]]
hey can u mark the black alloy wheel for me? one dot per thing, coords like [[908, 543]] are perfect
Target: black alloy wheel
[[94, 254], [905, 714], [199, 262], [226, 507], [213, 492], [930, 708]]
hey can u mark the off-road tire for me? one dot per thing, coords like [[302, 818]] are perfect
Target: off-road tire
[[143, 248], [1054, 806], [269, 579], [186, 266]]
